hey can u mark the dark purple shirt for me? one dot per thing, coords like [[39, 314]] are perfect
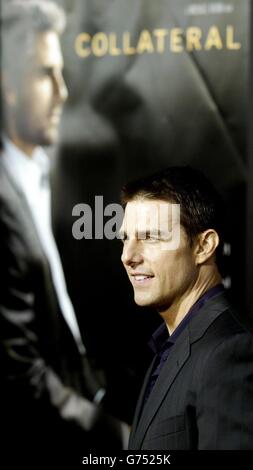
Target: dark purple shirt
[[161, 343]]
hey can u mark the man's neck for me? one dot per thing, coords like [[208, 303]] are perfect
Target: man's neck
[[25, 147], [179, 309]]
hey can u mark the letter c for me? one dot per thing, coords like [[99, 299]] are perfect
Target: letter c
[[80, 48]]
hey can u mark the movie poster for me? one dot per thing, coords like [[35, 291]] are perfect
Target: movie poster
[[151, 84]]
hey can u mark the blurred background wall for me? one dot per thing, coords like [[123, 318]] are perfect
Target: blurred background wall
[[151, 84]]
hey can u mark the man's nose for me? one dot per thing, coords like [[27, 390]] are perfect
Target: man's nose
[[60, 88], [132, 253]]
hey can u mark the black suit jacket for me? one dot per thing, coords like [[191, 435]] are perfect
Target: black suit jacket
[[41, 367], [203, 397]]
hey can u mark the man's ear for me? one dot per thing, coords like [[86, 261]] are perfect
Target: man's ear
[[205, 245]]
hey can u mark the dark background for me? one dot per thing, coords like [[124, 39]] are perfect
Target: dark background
[[130, 115]]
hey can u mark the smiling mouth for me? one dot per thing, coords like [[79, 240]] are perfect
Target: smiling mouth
[[56, 112], [141, 278]]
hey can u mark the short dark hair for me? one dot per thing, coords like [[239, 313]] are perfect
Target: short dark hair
[[41, 15], [201, 206], [20, 21]]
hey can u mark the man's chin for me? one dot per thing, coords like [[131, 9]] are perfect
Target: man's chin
[[49, 138], [52, 136], [142, 302]]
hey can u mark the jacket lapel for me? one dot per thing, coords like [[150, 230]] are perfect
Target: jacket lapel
[[18, 200], [178, 356], [140, 402]]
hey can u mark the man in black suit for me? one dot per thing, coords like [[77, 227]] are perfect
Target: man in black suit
[[198, 391], [49, 392]]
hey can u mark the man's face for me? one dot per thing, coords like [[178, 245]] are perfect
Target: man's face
[[160, 276], [38, 101]]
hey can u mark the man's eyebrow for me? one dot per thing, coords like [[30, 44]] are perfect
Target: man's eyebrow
[[44, 68], [139, 234], [144, 234], [49, 69], [154, 233]]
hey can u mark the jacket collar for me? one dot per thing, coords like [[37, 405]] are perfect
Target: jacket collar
[[18, 204], [207, 315]]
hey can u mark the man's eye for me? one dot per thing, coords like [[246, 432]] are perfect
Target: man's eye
[[161, 237], [153, 238], [122, 237], [44, 72], [148, 237]]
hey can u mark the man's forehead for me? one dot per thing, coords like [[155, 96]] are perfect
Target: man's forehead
[[147, 206], [47, 49], [146, 213]]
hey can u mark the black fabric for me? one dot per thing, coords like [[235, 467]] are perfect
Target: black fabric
[[203, 397]]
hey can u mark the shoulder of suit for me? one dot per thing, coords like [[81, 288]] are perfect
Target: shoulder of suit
[[230, 325], [227, 341]]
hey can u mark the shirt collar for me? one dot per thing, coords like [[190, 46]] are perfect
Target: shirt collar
[[161, 339], [25, 170]]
